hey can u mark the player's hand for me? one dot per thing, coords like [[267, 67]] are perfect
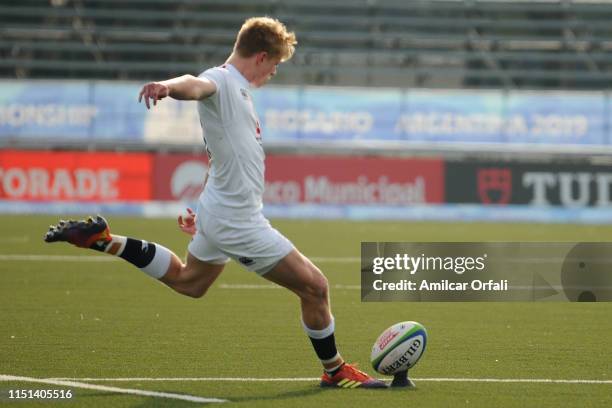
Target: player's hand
[[186, 222], [155, 91]]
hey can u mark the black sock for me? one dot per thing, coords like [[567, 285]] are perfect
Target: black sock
[[326, 350], [325, 347], [139, 253]]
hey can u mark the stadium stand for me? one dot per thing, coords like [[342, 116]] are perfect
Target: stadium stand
[[435, 44]]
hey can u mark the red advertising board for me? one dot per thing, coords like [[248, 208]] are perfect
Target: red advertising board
[[346, 180], [107, 177], [179, 176], [74, 176], [341, 180]]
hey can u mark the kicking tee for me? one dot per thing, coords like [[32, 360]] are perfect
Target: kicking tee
[[232, 135]]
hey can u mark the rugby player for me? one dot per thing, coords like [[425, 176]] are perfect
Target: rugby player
[[228, 223]]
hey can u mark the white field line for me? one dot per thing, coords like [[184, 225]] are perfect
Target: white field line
[[14, 240], [102, 258], [331, 259], [516, 380], [75, 384], [308, 379], [106, 258], [270, 286], [57, 258]]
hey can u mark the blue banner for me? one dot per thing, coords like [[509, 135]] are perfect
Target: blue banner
[[92, 111], [109, 111], [70, 110], [556, 118], [119, 115], [460, 116], [452, 116], [328, 113]]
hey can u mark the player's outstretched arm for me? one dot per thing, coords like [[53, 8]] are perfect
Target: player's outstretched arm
[[186, 87]]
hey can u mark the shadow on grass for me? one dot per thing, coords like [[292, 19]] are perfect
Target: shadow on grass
[[147, 402], [300, 393], [173, 403], [309, 391]]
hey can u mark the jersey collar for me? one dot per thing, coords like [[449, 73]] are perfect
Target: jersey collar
[[234, 71]]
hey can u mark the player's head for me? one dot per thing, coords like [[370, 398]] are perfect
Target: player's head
[[267, 41]]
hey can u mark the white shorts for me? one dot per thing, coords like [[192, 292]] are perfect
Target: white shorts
[[253, 243]]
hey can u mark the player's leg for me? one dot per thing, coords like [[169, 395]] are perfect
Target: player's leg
[[262, 249], [191, 279], [298, 274]]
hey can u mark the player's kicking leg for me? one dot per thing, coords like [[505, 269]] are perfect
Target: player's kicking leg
[[298, 274], [191, 279]]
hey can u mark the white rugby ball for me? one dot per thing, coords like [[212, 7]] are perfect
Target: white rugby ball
[[399, 348]]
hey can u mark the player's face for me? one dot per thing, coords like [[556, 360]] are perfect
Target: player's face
[[266, 69]]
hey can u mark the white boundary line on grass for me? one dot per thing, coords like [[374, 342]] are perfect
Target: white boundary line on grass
[[57, 258], [106, 258], [270, 286], [76, 384], [515, 380], [304, 379], [15, 240]]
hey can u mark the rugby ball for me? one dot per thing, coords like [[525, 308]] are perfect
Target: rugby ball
[[399, 348]]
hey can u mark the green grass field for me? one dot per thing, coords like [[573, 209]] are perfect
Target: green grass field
[[101, 319]]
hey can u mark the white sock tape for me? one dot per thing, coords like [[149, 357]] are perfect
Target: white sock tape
[[160, 263], [320, 334]]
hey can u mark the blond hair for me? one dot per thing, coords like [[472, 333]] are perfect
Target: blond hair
[[267, 34]]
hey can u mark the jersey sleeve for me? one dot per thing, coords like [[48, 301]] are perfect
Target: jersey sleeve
[[222, 100], [216, 77]]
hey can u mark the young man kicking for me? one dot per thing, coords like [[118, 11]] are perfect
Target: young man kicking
[[229, 221]]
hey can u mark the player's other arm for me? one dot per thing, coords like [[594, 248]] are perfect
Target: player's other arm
[[186, 221], [186, 87]]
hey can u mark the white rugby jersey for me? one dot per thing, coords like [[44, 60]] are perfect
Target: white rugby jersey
[[232, 135]]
